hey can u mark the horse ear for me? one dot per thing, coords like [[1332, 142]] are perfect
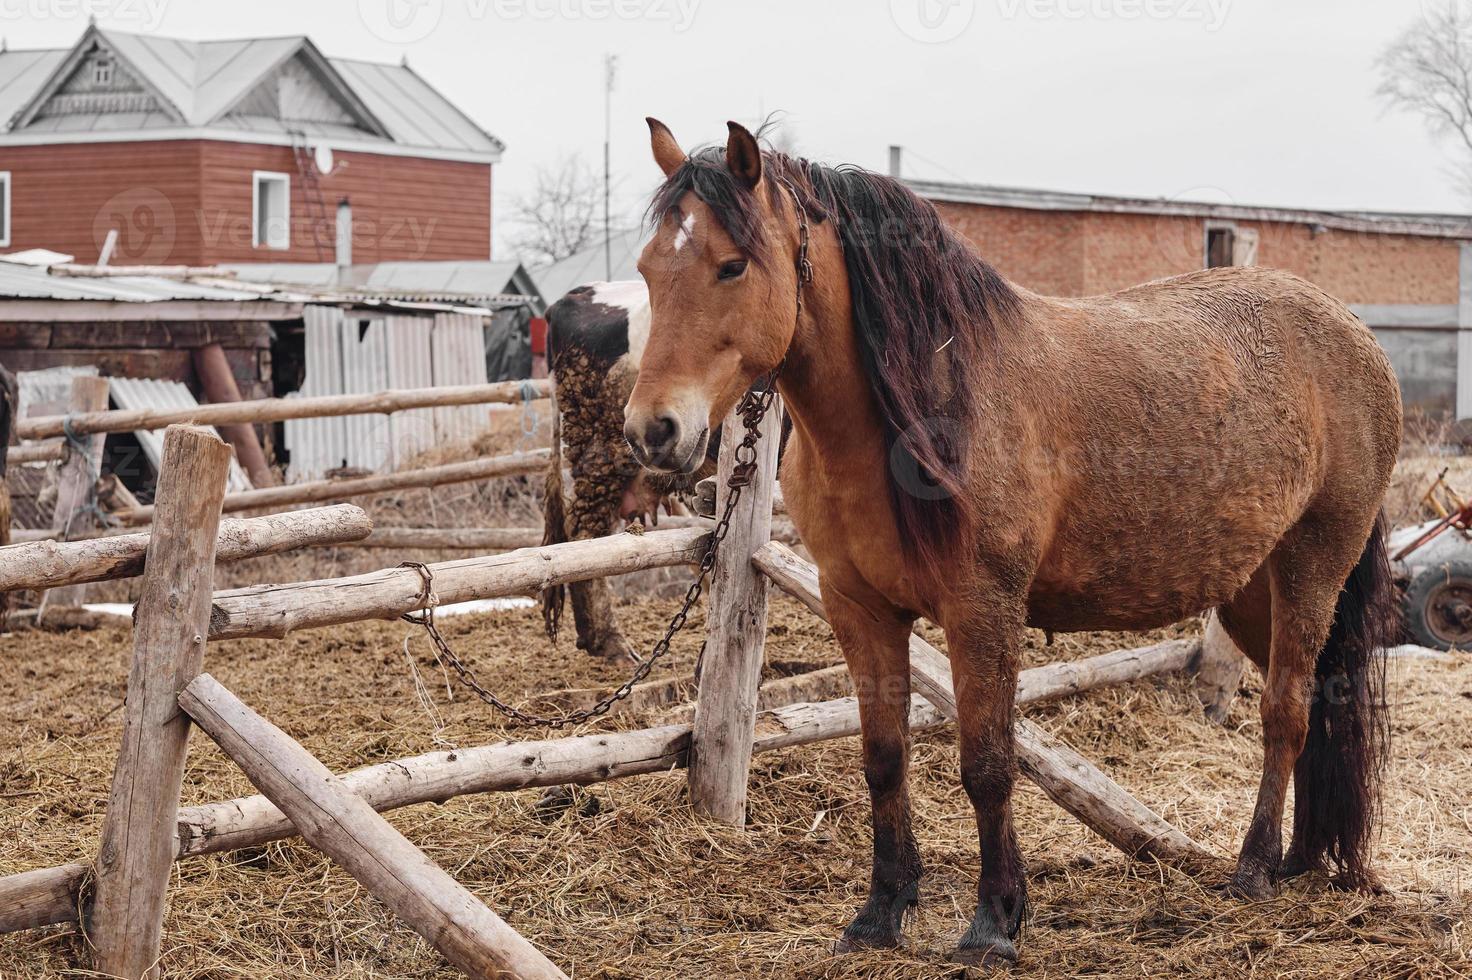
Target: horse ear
[[667, 152], [743, 155]]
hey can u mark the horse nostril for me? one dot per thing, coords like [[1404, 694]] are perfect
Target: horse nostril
[[661, 432], [653, 437]]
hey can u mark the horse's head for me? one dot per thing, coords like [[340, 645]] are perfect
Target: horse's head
[[722, 278]]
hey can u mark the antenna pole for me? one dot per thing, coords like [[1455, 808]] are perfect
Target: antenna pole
[[610, 73]]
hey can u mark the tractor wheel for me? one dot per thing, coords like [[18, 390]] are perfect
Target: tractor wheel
[[1439, 606]]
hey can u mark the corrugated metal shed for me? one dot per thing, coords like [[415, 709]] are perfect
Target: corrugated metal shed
[[130, 393], [359, 351]]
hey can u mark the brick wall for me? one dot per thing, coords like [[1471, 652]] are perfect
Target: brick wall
[[189, 202], [1071, 253]]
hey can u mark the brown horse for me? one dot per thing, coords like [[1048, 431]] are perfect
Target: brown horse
[[988, 458]]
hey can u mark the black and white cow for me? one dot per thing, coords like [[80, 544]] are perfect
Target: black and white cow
[[595, 337]]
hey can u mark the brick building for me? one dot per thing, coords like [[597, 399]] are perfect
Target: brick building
[[1409, 276], [253, 150]]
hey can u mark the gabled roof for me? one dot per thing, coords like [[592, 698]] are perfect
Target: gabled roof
[[207, 85]]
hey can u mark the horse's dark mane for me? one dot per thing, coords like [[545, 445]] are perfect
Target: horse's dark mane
[[916, 288]]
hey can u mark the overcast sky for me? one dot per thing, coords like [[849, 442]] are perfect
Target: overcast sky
[[1253, 101]]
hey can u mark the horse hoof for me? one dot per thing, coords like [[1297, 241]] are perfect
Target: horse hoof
[[998, 953], [1364, 884], [1248, 887], [614, 649], [1293, 867]]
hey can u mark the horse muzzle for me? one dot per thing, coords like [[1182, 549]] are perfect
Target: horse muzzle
[[663, 442]]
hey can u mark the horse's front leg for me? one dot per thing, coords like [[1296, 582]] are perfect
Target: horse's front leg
[[875, 639], [984, 649]]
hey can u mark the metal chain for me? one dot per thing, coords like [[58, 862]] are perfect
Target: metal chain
[[753, 408]]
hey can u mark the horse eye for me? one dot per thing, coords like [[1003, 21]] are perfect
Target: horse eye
[[732, 270]]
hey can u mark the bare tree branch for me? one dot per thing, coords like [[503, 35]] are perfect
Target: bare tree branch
[[558, 217], [1428, 71]]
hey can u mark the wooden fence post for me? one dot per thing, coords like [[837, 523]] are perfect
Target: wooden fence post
[[730, 670], [343, 826], [78, 479], [172, 621]]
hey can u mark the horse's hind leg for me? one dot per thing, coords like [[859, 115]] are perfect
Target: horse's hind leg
[[1304, 576], [876, 646]]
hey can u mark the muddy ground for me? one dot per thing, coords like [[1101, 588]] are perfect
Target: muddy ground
[[628, 884]]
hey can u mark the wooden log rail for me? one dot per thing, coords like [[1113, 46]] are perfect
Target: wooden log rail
[[40, 452], [318, 491], [345, 828], [48, 895], [276, 610], [48, 564], [280, 409]]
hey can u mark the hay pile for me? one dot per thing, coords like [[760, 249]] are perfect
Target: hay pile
[[625, 883]]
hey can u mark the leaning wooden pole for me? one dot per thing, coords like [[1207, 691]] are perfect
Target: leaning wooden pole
[[77, 479], [725, 707], [1066, 777], [344, 827], [172, 621]]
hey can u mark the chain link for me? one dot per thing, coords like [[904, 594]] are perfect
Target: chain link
[[753, 408]]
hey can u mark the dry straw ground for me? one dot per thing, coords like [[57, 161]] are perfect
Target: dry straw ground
[[626, 883]]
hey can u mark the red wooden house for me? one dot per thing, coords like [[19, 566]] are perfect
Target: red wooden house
[[205, 152]]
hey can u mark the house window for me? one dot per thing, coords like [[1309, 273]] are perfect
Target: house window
[[4, 208], [1221, 244], [271, 210], [102, 70]]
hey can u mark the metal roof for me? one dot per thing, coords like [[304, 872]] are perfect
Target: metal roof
[[589, 265], [1385, 222], [498, 284], [199, 85], [37, 282], [65, 282]]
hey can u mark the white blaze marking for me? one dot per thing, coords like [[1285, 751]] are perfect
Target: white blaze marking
[[682, 238]]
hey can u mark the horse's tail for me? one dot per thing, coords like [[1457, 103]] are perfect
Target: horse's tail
[[554, 526], [1337, 779]]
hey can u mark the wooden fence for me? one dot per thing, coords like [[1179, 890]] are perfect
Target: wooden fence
[[145, 830]]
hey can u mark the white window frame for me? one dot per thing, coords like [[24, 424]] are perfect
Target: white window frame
[[263, 237], [103, 68], [5, 231], [1212, 226]]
